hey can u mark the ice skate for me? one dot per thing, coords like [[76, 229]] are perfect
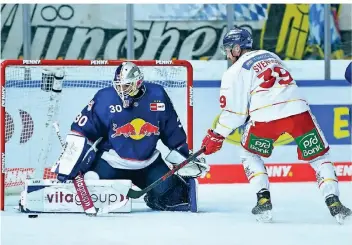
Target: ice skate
[[262, 210], [337, 210]]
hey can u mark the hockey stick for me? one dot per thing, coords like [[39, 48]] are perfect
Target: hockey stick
[[134, 194], [83, 193]]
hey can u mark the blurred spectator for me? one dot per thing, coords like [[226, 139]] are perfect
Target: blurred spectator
[[315, 49]]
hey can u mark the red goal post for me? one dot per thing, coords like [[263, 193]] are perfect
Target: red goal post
[[22, 75]]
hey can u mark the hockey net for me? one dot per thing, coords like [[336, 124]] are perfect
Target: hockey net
[[29, 144]]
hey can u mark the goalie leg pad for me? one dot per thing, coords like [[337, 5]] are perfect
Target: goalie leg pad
[[170, 195], [153, 172], [176, 199], [49, 196], [181, 198], [193, 195]]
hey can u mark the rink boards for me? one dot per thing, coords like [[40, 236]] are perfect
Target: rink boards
[[330, 104]]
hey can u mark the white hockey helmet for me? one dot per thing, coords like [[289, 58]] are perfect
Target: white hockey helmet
[[127, 81]]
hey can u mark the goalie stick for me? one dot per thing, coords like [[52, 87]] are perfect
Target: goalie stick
[[83, 193], [134, 194]]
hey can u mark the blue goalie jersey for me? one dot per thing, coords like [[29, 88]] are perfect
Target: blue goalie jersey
[[130, 135]]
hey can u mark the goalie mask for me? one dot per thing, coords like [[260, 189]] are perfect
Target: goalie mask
[[127, 81]]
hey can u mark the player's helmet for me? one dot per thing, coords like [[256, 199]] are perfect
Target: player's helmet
[[236, 36], [127, 81]]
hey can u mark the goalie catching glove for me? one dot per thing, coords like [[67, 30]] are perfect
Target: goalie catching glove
[[194, 169]]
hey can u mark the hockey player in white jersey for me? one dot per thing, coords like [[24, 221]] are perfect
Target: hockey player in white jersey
[[258, 91]]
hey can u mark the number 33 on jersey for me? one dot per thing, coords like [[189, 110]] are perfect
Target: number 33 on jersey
[[259, 85]]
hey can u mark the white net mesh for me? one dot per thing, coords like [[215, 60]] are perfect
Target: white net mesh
[[31, 142]]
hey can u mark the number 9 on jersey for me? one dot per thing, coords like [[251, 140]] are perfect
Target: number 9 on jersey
[[222, 101]]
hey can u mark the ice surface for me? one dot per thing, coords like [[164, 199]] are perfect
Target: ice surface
[[300, 218]]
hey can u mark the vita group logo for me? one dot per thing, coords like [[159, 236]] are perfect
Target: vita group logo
[[137, 129]]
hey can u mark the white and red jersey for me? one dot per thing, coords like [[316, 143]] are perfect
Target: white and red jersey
[[258, 85]]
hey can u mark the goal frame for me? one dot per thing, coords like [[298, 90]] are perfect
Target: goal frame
[[6, 63]]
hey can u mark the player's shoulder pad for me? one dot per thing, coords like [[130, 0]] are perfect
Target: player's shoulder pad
[[252, 57]]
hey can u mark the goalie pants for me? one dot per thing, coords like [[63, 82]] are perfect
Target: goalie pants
[[172, 191], [258, 139]]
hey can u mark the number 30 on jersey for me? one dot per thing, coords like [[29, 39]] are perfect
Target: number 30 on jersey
[[81, 120], [115, 108]]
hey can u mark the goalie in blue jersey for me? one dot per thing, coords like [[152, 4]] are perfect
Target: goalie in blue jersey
[[120, 128]]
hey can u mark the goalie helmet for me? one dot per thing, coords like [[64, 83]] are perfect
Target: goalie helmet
[[236, 37], [127, 81]]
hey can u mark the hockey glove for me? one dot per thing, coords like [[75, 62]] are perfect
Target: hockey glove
[[212, 142], [194, 169], [77, 156]]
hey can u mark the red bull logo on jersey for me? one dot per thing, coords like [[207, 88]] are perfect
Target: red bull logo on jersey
[[137, 129]]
